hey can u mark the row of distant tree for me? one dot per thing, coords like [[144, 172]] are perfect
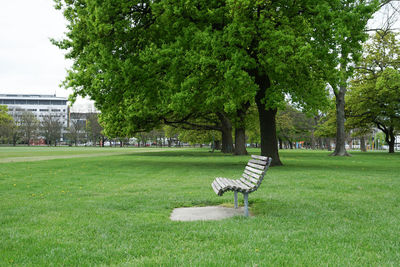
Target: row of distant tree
[[25, 128], [85, 128], [293, 126]]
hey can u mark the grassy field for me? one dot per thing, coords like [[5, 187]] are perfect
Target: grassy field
[[114, 210], [45, 151]]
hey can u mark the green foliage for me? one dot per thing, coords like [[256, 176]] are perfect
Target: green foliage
[[253, 126], [199, 137], [93, 128], [327, 123], [170, 131], [388, 86], [28, 126], [50, 128], [374, 96], [6, 124], [144, 62], [293, 124]]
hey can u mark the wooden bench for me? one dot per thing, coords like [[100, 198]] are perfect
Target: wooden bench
[[249, 182]]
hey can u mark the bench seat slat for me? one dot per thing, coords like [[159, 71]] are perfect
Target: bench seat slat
[[220, 182], [259, 162], [228, 183], [234, 185], [222, 185], [249, 178], [252, 174], [259, 157], [216, 190], [217, 186], [246, 182], [254, 170], [240, 185], [259, 167]]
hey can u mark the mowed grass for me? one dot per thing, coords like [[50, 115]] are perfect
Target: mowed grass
[[45, 151], [114, 210]]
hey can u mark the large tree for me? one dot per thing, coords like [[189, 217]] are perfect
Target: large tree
[[51, 128], [374, 96], [28, 126], [148, 61], [294, 125], [378, 102], [76, 130], [93, 129]]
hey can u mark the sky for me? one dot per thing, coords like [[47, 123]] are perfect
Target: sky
[[29, 63]]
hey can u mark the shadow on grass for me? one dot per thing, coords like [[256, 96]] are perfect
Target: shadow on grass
[[295, 162], [183, 153]]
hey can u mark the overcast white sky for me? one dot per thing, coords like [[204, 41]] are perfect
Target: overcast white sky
[[29, 63]]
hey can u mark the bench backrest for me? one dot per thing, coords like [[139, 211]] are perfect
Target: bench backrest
[[255, 170]]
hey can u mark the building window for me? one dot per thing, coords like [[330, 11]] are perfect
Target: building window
[[32, 102], [31, 109], [56, 110], [57, 102], [43, 110], [44, 102]]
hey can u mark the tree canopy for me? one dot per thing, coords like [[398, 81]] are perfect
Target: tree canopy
[[149, 62], [374, 96], [6, 123]]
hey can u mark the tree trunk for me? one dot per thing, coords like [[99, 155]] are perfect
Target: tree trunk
[[226, 130], [390, 139], [328, 144], [320, 146], [240, 130], [240, 142], [340, 148], [217, 145], [362, 144], [312, 144], [269, 140], [280, 143]]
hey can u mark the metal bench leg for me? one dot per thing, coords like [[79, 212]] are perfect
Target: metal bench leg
[[236, 199], [246, 204]]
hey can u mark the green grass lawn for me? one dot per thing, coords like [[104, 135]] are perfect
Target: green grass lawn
[[44, 151], [114, 210]]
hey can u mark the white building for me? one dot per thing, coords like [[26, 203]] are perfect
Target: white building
[[40, 105]]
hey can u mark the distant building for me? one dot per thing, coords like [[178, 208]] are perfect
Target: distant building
[[40, 105]]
